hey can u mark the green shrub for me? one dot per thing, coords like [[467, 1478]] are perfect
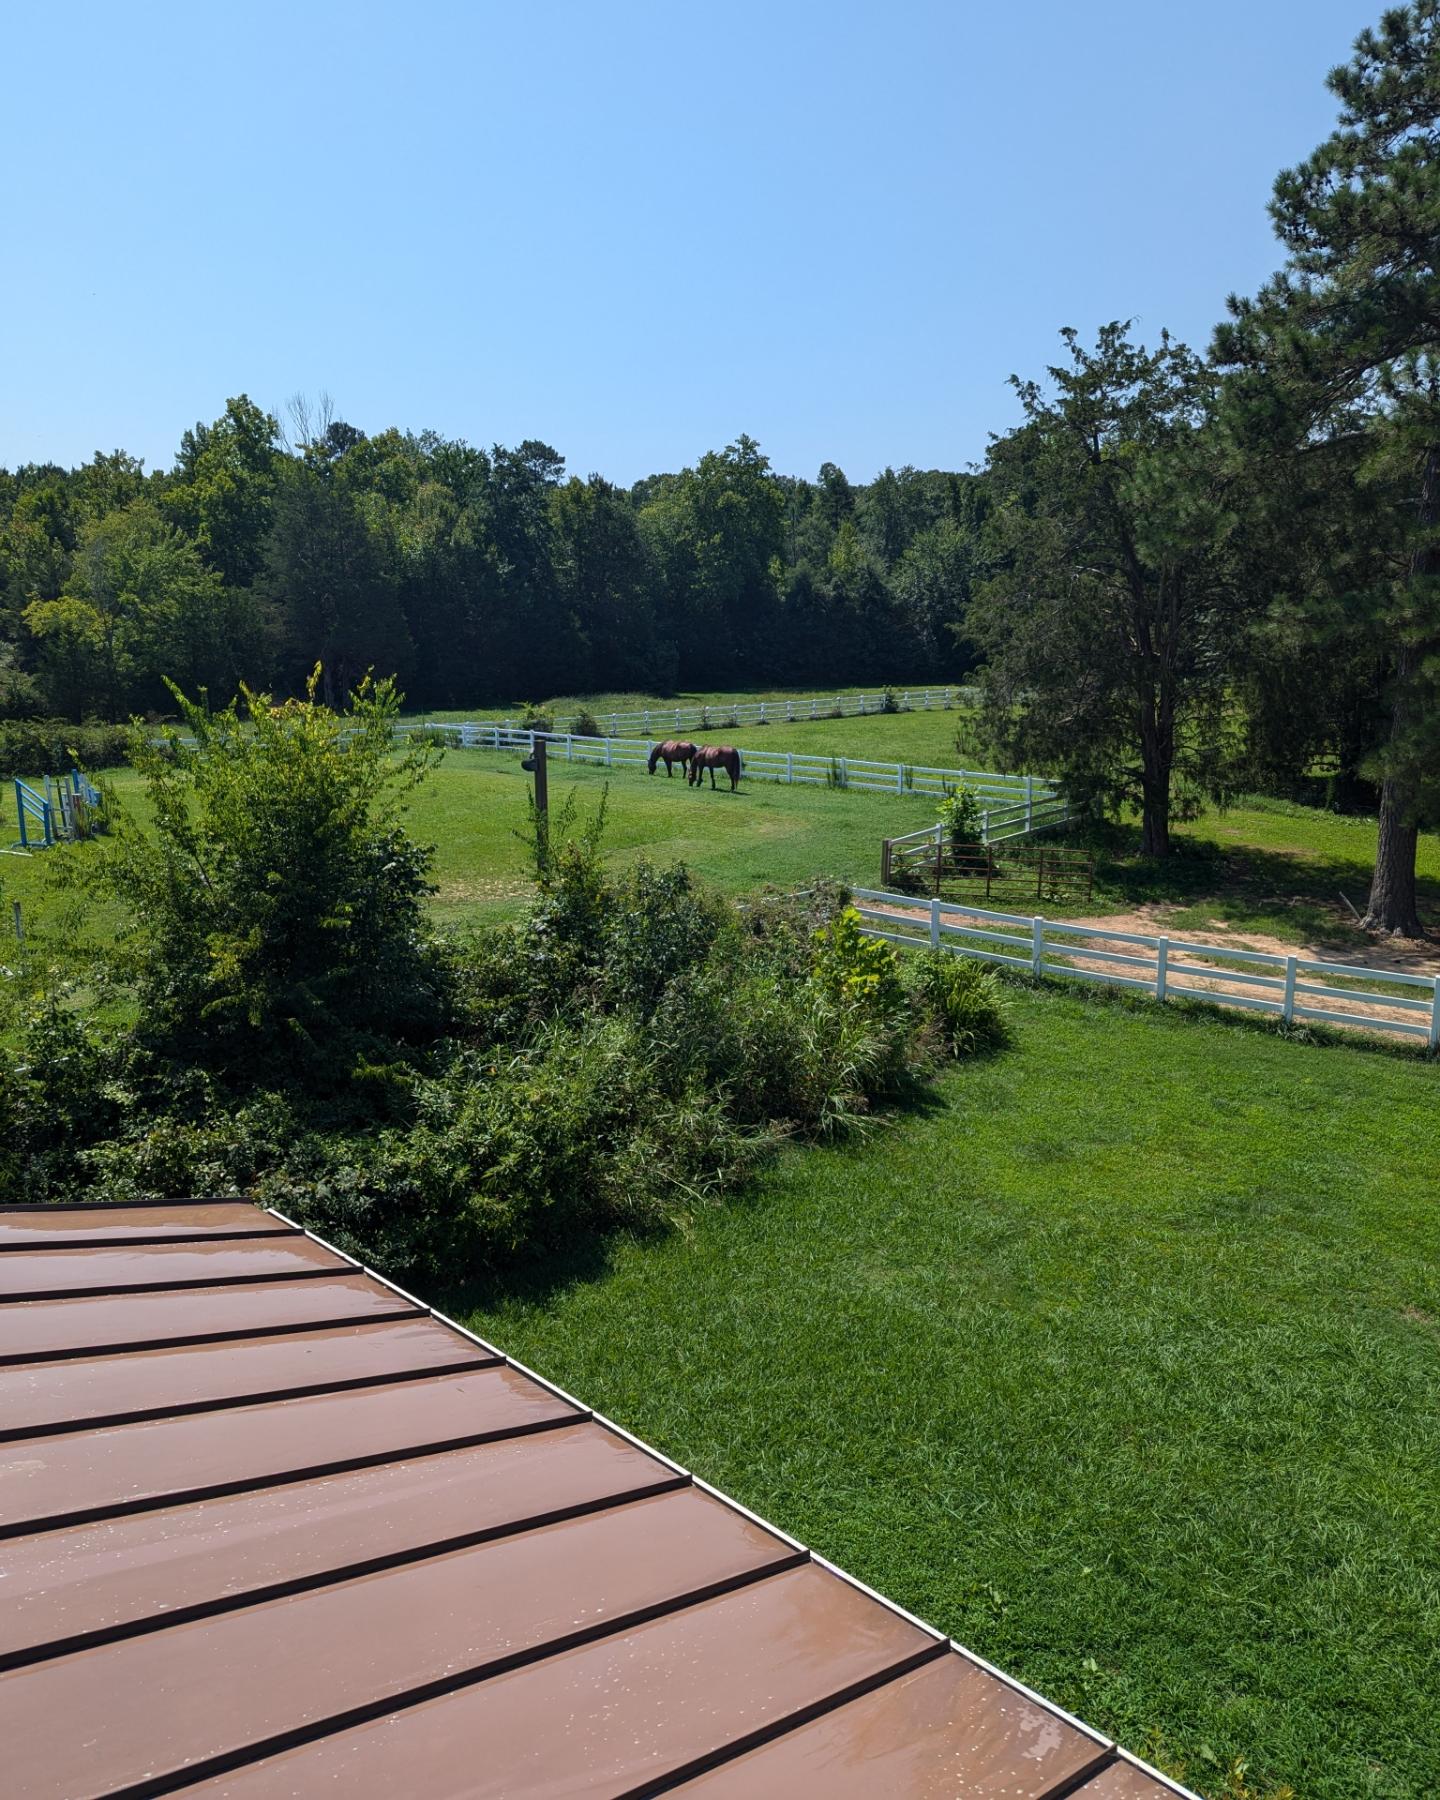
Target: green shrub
[[273, 910], [961, 816], [889, 701], [54, 746], [535, 718], [965, 999], [585, 724]]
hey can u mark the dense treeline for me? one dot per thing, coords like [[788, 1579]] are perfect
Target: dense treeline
[[470, 575]]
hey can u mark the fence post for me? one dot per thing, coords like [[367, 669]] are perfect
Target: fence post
[[1029, 803], [885, 862], [790, 766], [935, 923], [1162, 967], [789, 709], [1435, 1018], [899, 778], [985, 827], [844, 771], [1037, 945], [1288, 1012], [607, 753], [939, 858], [647, 721]]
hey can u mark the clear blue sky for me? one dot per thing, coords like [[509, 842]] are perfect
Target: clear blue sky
[[634, 230]]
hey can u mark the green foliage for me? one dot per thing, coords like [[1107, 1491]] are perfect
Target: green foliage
[[966, 999], [1108, 616], [535, 718], [585, 724], [273, 908], [53, 746], [960, 816], [890, 701]]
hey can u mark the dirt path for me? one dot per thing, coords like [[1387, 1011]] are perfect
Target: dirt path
[[1405, 956], [1381, 958]]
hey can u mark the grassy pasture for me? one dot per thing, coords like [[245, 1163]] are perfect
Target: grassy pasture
[[1118, 1361], [1119, 1364]]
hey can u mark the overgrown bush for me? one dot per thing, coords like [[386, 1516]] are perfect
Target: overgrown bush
[[966, 1000], [585, 724], [54, 746], [273, 912], [620, 1056], [961, 816]]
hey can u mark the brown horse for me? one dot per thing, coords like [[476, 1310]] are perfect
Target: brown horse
[[673, 750], [713, 757]]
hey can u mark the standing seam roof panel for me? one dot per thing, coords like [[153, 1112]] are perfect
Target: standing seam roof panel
[[268, 1525]]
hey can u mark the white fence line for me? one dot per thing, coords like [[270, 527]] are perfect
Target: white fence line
[[1284, 987], [723, 715], [1013, 804]]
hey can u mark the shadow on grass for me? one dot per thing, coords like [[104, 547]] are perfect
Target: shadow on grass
[[1295, 895]]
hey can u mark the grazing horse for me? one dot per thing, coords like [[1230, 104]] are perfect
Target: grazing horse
[[713, 757], [673, 750]]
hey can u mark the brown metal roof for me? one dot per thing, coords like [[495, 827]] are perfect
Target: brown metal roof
[[268, 1527]]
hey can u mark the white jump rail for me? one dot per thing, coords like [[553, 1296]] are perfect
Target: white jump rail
[[1011, 802], [1164, 968]]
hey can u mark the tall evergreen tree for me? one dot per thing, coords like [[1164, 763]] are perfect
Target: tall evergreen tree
[[1346, 339]]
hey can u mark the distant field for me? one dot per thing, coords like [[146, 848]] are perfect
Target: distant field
[[476, 805], [1260, 866], [924, 738]]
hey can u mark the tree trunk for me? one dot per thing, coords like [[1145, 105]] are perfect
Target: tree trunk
[[1392, 905], [1155, 816], [1157, 752]]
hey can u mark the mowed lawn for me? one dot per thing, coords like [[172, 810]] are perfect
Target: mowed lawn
[[1122, 1365], [475, 811]]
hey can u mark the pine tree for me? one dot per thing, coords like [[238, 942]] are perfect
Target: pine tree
[[1345, 341]]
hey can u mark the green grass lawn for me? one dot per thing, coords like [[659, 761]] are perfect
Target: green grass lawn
[[476, 804], [1120, 1365], [924, 738]]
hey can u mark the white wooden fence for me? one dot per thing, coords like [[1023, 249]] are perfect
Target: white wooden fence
[[1011, 798], [1285, 987], [726, 715]]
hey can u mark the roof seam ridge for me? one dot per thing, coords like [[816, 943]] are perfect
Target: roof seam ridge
[[792, 1721], [229, 1402], [344, 1465], [456, 1681]]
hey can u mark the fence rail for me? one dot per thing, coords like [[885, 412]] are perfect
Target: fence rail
[[725, 715], [1284, 987], [1011, 800]]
